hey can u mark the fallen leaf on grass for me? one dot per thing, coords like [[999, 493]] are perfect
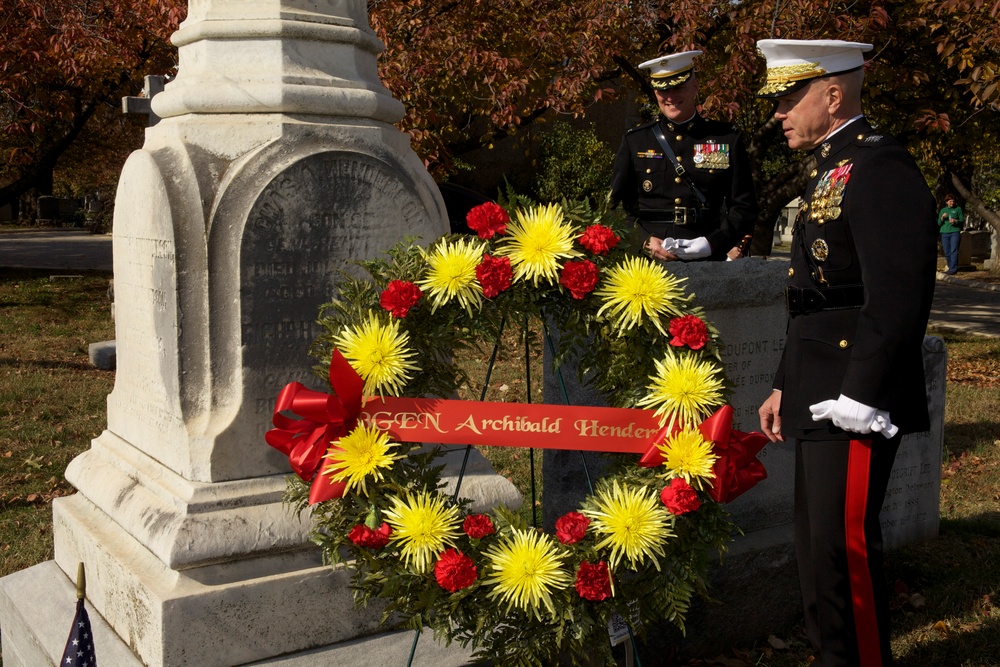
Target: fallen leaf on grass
[[503, 388], [34, 462], [942, 628], [917, 601], [777, 643], [7, 455]]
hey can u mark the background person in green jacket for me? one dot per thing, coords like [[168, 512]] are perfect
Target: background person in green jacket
[[950, 222]]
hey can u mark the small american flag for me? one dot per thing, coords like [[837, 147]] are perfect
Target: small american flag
[[79, 651]]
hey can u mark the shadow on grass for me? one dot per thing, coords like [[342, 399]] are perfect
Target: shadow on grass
[[14, 274], [47, 364], [945, 591], [962, 438]]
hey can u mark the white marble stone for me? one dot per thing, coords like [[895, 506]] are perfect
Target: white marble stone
[[47, 622], [274, 166], [479, 482]]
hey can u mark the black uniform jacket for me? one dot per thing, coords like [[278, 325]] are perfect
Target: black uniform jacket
[[868, 220], [715, 158]]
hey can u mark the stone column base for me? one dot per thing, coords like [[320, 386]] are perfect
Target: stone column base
[[37, 607], [221, 614]]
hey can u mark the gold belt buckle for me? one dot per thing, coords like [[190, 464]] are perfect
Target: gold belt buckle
[[680, 215]]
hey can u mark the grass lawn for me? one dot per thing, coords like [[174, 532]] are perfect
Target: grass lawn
[[945, 592]]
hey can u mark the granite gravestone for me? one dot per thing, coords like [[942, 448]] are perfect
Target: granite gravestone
[[745, 301]]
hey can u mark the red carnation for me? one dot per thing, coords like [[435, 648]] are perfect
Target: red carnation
[[593, 582], [679, 497], [689, 330], [571, 527], [488, 219], [580, 278], [478, 526], [599, 239], [454, 570], [399, 297], [494, 274], [363, 536]]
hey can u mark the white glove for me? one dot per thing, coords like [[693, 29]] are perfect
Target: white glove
[[692, 248], [855, 417]]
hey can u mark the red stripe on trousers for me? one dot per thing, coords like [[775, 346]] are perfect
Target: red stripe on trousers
[[862, 595]]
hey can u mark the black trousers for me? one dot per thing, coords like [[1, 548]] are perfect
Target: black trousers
[[839, 489]]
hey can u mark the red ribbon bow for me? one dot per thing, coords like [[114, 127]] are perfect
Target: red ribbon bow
[[737, 469], [323, 419]]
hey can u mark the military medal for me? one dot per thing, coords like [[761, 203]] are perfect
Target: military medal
[[711, 156], [647, 186], [820, 250], [829, 194]]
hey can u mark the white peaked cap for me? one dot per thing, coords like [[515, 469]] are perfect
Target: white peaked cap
[[792, 63], [670, 71]]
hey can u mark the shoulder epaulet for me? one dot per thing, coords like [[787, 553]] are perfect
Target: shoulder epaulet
[[641, 127]]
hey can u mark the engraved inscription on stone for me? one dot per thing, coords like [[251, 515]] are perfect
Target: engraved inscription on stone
[[749, 363], [146, 384], [752, 343], [307, 224]]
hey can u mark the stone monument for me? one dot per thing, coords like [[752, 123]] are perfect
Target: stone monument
[[274, 164], [745, 301]]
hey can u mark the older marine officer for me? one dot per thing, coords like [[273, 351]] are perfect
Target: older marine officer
[[851, 379], [684, 179]]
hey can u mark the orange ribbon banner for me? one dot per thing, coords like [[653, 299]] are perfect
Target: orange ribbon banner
[[324, 418]]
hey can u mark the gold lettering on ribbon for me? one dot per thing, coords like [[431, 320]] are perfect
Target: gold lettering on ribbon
[[470, 424]]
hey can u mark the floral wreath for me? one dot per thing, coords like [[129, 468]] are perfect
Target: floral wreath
[[638, 547]]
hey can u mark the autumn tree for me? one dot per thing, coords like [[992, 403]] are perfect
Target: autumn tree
[[472, 72], [64, 61]]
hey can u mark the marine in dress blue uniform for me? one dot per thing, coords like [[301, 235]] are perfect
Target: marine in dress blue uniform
[[851, 382], [711, 157]]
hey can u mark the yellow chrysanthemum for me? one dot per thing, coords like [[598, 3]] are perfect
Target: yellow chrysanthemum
[[422, 526], [637, 288], [632, 521], [684, 390], [361, 453], [536, 242], [688, 455], [451, 274], [380, 354], [524, 569]]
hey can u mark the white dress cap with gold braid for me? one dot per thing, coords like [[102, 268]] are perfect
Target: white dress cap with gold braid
[[792, 63], [670, 71]]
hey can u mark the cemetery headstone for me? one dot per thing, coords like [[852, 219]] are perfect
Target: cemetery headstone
[[275, 163], [745, 301]]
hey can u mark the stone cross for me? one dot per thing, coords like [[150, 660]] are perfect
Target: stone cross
[[143, 104]]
